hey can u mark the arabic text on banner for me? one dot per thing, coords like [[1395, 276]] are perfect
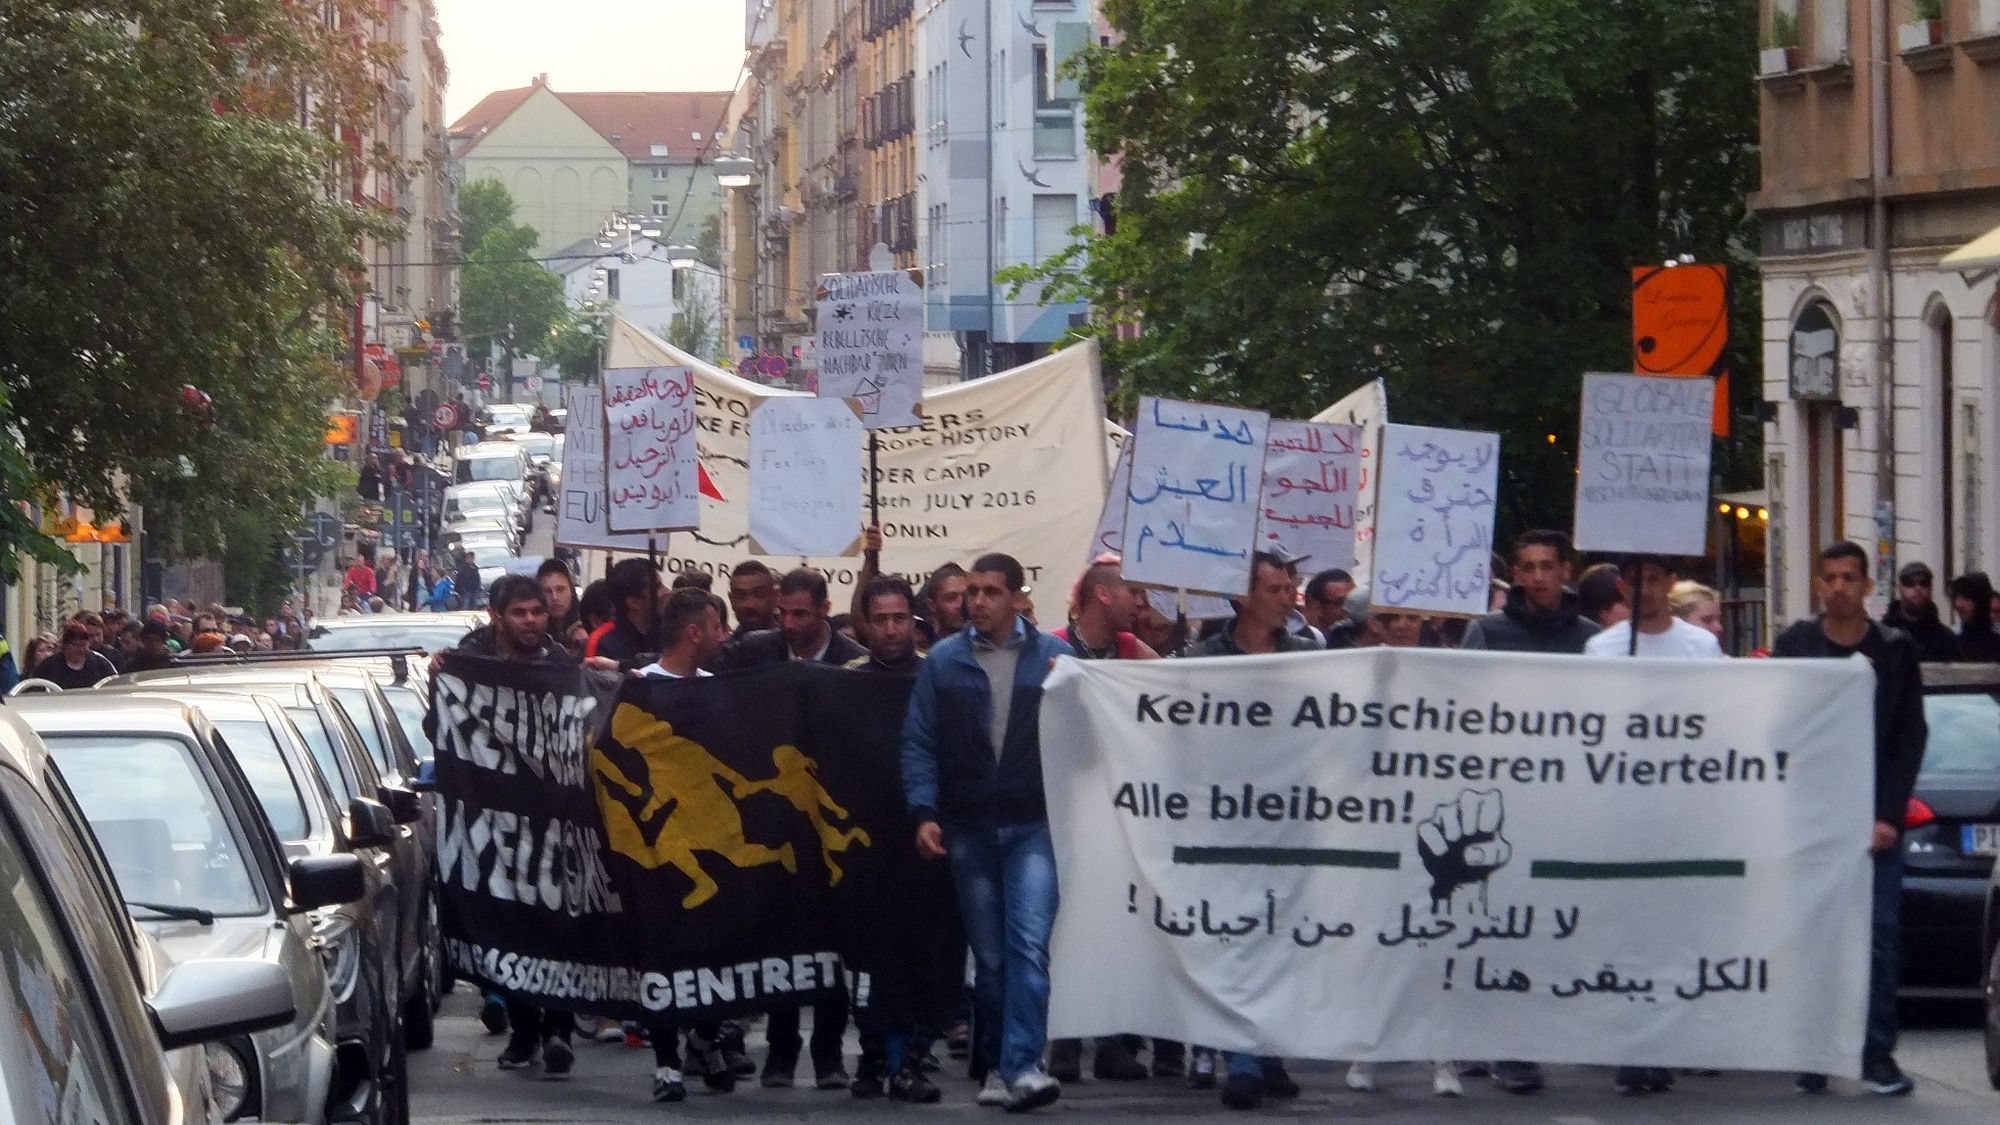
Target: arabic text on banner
[[1367, 407], [805, 477], [1013, 462], [870, 345], [1312, 475], [1402, 854], [1642, 456], [1434, 520], [649, 446], [1191, 505], [580, 505], [717, 845]]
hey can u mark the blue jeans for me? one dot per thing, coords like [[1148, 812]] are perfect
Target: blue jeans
[[1007, 892], [1885, 955]]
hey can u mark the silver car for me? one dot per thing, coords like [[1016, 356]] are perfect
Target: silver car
[[201, 867]]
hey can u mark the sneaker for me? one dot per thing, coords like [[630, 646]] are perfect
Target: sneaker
[[519, 1054], [911, 1085], [668, 1086], [868, 1081], [1884, 1077], [1517, 1077], [1201, 1069], [609, 1033], [830, 1078], [1115, 1062], [557, 1058], [1810, 1084], [994, 1092], [493, 1014], [1361, 1077], [1032, 1090], [704, 1057], [636, 1036], [1066, 1060], [1169, 1059], [1278, 1082], [1444, 1080], [1243, 1091], [778, 1069]]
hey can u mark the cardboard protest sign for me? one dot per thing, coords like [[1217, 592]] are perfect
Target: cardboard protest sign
[[1366, 407], [1191, 506], [1312, 476], [649, 445], [870, 345], [1642, 460], [805, 477], [580, 516], [1434, 520], [1415, 854]]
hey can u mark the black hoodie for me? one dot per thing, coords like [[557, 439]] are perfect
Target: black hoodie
[[1935, 640], [1519, 628]]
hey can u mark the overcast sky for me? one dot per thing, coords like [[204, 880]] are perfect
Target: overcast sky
[[589, 45]]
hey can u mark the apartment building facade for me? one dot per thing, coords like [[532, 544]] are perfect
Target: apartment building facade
[[1881, 358]]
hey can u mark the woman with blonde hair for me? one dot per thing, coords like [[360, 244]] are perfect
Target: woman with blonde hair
[[1697, 604]]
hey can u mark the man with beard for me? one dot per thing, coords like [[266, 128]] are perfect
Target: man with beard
[[753, 597], [1915, 612]]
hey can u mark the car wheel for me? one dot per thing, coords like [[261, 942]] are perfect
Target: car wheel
[[1993, 1016]]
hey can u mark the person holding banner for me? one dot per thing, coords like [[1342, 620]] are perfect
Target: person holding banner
[[1842, 630], [636, 593], [972, 780]]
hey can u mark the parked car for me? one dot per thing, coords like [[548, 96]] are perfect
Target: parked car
[[506, 414], [1990, 943], [104, 1026], [1952, 833], [427, 631], [490, 460], [341, 740], [196, 859], [487, 504]]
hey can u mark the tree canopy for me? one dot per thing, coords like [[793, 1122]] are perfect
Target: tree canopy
[[1448, 194], [507, 298]]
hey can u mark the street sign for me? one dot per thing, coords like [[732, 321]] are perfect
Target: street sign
[[445, 416]]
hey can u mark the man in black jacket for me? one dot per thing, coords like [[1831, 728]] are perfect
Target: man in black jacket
[[638, 593], [804, 632], [1841, 631], [1915, 612], [1542, 614]]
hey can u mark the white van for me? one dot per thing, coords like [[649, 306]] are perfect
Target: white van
[[491, 460]]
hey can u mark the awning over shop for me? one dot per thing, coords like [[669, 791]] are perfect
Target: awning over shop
[[1980, 256]]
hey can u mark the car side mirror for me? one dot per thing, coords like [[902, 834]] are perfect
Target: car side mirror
[[203, 1000], [369, 824], [426, 779], [325, 880], [402, 803]]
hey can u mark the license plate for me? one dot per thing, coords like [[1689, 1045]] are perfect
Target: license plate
[[1981, 839]]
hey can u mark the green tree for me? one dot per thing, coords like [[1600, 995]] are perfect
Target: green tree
[[577, 342], [506, 298], [708, 244], [693, 328], [1445, 193], [166, 221]]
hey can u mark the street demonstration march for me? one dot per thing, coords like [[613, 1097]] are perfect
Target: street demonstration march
[[866, 718]]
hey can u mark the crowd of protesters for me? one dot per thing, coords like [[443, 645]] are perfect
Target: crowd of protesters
[[971, 761], [91, 646]]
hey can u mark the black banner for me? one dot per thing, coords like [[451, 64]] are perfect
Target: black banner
[[729, 843]]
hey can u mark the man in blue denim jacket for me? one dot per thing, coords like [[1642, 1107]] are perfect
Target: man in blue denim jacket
[[972, 777]]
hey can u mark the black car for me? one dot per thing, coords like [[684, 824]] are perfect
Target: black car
[[1952, 833]]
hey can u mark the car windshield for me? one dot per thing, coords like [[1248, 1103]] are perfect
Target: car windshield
[[158, 822], [479, 502], [409, 708], [495, 555], [537, 445], [255, 747], [490, 468], [504, 414], [416, 634], [354, 701], [1964, 736], [312, 728]]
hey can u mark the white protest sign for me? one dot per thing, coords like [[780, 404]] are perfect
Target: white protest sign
[[869, 345], [1110, 536], [805, 477], [1191, 507], [1014, 462], [1402, 854], [1434, 520], [649, 445], [580, 506], [1366, 407], [1312, 474], [1642, 464]]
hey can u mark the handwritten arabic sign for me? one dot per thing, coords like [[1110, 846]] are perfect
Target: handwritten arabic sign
[[1110, 536], [1434, 520], [1401, 854], [1642, 464], [580, 507], [1367, 406], [805, 477], [1312, 474], [649, 443], [870, 345], [1191, 505]]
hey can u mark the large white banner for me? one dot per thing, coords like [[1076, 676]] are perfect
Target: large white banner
[[1014, 462], [1400, 854], [1642, 456]]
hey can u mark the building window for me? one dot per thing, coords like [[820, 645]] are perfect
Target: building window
[[1815, 354], [1000, 91], [663, 208], [661, 173], [1938, 357], [1055, 215], [661, 150], [1830, 31]]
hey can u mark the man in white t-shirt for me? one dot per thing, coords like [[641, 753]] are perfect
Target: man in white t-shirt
[[1660, 632]]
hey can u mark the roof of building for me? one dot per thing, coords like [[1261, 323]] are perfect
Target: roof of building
[[684, 122]]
